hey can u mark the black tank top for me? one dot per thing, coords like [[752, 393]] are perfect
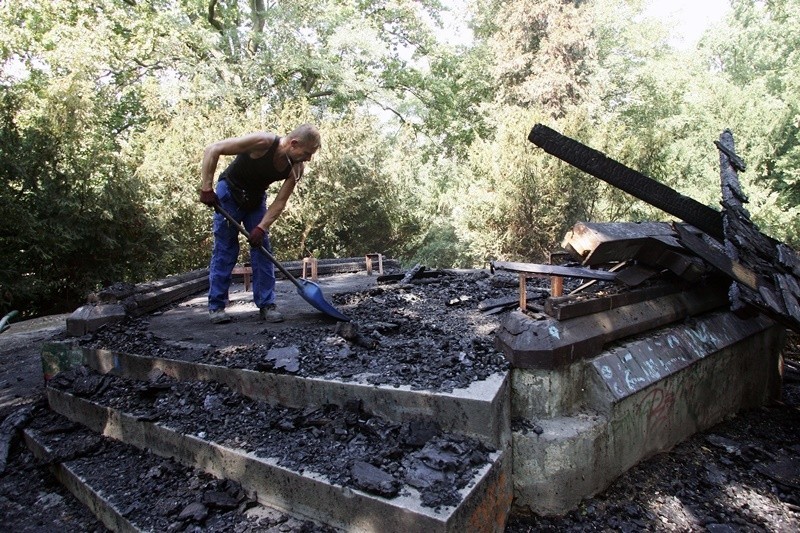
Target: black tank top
[[255, 175]]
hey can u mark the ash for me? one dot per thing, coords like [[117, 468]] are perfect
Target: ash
[[429, 335], [347, 445]]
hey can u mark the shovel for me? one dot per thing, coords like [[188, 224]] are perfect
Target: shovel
[[309, 290]]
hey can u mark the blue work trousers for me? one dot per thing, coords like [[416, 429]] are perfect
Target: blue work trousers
[[226, 252]]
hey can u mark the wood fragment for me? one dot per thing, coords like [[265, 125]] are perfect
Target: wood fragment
[[636, 275], [584, 286], [412, 273], [9, 431], [509, 301], [573, 306], [789, 259], [549, 270], [349, 332]]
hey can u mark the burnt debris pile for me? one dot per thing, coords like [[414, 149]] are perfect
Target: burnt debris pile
[[428, 334], [762, 274], [396, 420], [346, 445]]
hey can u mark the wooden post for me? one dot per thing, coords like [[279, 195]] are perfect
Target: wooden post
[[312, 262], [369, 258], [523, 296], [246, 271], [556, 286]]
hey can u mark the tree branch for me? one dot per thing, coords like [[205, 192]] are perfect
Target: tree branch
[[211, 20]]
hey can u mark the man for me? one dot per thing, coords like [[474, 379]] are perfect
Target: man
[[262, 158]]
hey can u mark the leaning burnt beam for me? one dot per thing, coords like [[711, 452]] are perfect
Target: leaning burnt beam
[[635, 183], [777, 292]]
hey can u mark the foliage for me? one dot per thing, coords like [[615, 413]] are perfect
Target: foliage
[[107, 106]]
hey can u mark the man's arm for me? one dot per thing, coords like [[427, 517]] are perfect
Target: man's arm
[[279, 203], [253, 142]]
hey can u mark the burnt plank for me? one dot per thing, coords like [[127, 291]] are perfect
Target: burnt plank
[[636, 274], [555, 270], [788, 259], [783, 282], [550, 344], [684, 266], [494, 303], [635, 183], [572, 306], [508, 301], [718, 259], [596, 243], [415, 271]]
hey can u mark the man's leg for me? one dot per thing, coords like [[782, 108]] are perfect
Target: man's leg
[[225, 251], [263, 269]]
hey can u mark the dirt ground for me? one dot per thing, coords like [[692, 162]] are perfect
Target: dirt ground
[[741, 475]]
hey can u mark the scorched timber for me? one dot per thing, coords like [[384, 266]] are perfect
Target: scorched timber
[[642, 187], [555, 270]]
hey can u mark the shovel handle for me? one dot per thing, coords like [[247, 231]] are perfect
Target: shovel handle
[[244, 232]]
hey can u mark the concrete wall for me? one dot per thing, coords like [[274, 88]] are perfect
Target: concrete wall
[[637, 399]]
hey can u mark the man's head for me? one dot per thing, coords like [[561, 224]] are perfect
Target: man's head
[[302, 143]]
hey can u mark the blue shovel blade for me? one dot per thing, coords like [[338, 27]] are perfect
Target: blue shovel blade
[[311, 293]]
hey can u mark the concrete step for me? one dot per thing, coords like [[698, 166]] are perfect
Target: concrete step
[[479, 411], [146, 492], [228, 442]]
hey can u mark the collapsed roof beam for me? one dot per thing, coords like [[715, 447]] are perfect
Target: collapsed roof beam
[[635, 183]]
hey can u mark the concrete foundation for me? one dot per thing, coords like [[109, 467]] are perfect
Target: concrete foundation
[[603, 391], [602, 416]]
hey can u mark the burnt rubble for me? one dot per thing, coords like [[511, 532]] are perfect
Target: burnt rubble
[[152, 493], [409, 334], [346, 445]]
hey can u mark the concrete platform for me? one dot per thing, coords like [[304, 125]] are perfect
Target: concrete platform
[[188, 321], [602, 416]]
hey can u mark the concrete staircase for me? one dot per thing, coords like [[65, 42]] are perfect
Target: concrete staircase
[[101, 404]]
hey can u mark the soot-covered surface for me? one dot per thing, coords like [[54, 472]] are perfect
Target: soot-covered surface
[[155, 493], [346, 445], [429, 335]]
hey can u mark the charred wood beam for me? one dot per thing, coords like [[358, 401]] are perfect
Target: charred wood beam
[[777, 293], [551, 343], [555, 270], [565, 307], [415, 271], [718, 259], [614, 173]]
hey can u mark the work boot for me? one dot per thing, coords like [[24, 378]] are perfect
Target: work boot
[[218, 316], [270, 313]]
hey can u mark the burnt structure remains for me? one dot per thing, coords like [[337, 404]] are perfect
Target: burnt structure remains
[[452, 398]]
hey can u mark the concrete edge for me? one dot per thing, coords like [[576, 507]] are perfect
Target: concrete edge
[[625, 370], [307, 495]]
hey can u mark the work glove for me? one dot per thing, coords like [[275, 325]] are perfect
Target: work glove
[[209, 198], [256, 237]]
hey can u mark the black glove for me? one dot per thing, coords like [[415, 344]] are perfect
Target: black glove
[[209, 198], [256, 237]]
